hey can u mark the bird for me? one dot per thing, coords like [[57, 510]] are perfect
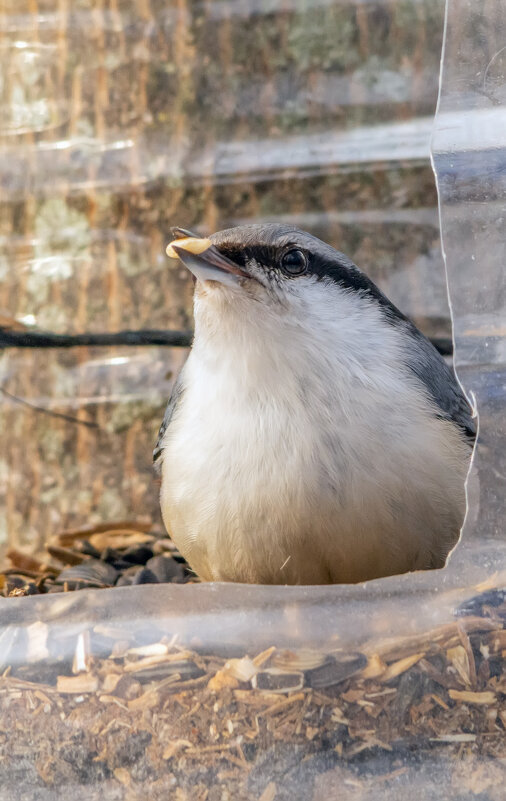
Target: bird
[[314, 435]]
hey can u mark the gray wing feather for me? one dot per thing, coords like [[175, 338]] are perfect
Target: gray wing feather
[[439, 379], [177, 392]]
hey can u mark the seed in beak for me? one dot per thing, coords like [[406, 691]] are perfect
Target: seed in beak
[[190, 244]]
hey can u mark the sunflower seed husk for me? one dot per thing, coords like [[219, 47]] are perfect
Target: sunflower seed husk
[[64, 555], [241, 669], [166, 568], [138, 554], [145, 576], [275, 680], [302, 659], [335, 670], [92, 572], [185, 669]]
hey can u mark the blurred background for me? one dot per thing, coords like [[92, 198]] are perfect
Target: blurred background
[[121, 118]]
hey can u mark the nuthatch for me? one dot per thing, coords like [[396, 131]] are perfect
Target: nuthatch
[[314, 434]]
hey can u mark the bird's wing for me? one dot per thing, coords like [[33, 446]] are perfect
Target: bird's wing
[[440, 381], [177, 392]]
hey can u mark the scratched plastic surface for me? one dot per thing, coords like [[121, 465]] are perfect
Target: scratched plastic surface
[[120, 119], [469, 149]]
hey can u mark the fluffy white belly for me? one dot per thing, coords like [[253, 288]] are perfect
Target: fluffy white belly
[[273, 489]]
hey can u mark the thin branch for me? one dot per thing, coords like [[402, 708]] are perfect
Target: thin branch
[[10, 338], [67, 417]]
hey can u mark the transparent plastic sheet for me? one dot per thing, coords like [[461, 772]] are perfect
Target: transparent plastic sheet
[[398, 693], [57, 472], [469, 156], [119, 120]]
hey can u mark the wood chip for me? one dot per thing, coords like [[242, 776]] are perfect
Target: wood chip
[[82, 654], [68, 536], [222, 679], [466, 644], [83, 683], [472, 698], [375, 667], [269, 794], [142, 664], [264, 656], [458, 658], [175, 747], [22, 561], [147, 700], [281, 705], [110, 682], [121, 538], [111, 699], [123, 776], [496, 641], [150, 661], [396, 668], [155, 649], [396, 648]]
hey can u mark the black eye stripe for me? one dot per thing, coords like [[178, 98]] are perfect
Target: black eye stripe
[[290, 260]]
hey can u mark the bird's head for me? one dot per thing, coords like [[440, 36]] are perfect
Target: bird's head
[[265, 274]]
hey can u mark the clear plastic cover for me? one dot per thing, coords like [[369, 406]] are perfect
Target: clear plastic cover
[[244, 692], [469, 149], [120, 120]]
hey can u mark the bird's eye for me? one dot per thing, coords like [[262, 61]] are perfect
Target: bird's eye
[[294, 262]]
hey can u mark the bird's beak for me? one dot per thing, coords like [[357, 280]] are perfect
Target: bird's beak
[[205, 261]]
